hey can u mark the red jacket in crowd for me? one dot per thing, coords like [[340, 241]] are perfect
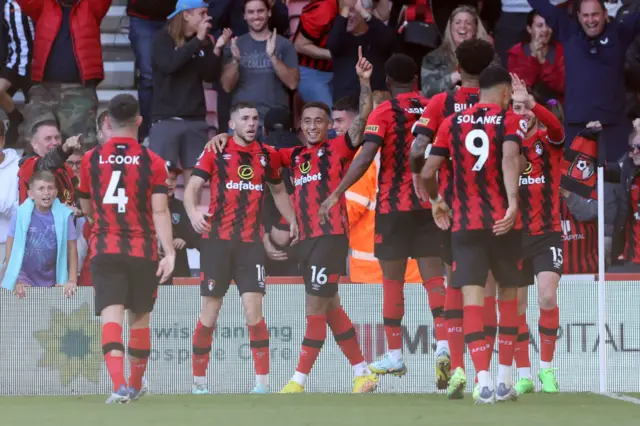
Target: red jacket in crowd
[[86, 17], [530, 70]]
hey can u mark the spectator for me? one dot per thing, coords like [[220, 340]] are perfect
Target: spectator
[[49, 154], [74, 161], [539, 61], [260, 66], [41, 248], [579, 220], [230, 14], [311, 44], [183, 56], [16, 73], [510, 28], [440, 67], [67, 64], [8, 192], [184, 236], [146, 18], [594, 56], [357, 27]]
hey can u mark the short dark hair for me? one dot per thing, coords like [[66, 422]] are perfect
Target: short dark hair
[[101, 118], [319, 105], [44, 123], [347, 103], [123, 109], [494, 76], [241, 105], [79, 151], [265, 2], [44, 175], [401, 68], [475, 55]]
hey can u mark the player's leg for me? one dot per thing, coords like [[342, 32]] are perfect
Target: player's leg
[[392, 248], [111, 296], [521, 353], [490, 313], [249, 275], [216, 277], [471, 260]]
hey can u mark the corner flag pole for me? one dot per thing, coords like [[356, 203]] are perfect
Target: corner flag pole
[[602, 332]]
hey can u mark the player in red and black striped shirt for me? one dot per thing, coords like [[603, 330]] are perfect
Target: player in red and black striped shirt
[[404, 226], [231, 248], [483, 143], [474, 56], [123, 191], [49, 154], [542, 252]]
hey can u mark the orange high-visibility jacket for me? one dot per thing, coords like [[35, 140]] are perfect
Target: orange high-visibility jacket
[[361, 209]]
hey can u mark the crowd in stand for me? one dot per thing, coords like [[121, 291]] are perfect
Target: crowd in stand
[[581, 55]]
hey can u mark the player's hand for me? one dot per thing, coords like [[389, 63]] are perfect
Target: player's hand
[[272, 251], [419, 187], [217, 144], [294, 233], [70, 289], [20, 290], [441, 215], [179, 244], [200, 222], [271, 43], [325, 207], [520, 93], [505, 224], [72, 143], [363, 66], [165, 268]]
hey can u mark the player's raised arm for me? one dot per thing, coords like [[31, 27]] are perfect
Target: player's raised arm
[[363, 70]]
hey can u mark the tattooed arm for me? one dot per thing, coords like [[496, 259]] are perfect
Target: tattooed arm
[[364, 70]]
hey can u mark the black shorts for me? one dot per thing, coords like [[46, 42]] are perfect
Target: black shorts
[[322, 261], [222, 261], [18, 82], [119, 279], [446, 254], [404, 235], [541, 253], [475, 253]]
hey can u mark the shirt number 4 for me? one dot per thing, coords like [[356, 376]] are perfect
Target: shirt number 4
[[115, 195]]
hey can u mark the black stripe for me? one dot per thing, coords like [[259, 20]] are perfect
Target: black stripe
[[325, 164], [460, 184], [392, 322], [145, 173], [509, 331], [259, 343], [400, 119], [112, 346], [438, 312], [474, 337], [160, 189], [523, 337], [490, 331], [547, 191], [201, 173], [368, 137], [138, 353], [553, 332], [96, 191], [481, 179], [453, 314], [440, 152], [201, 351], [302, 194], [349, 334], [524, 193], [83, 195], [312, 343], [420, 130]]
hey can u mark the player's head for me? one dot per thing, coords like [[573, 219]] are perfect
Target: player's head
[[495, 86], [124, 116], [315, 122], [593, 16], [75, 159], [102, 128], [401, 72], [257, 14], [173, 171], [379, 96], [343, 113], [474, 56], [244, 122], [521, 109], [45, 136], [42, 189]]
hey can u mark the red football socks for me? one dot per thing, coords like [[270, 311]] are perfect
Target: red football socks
[[393, 312], [436, 293], [345, 335], [202, 339], [521, 352], [490, 323], [548, 328], [314, 338], [508, 331], [139, 350], [455, 335], [259, 343], [474, 337], [112, 341]]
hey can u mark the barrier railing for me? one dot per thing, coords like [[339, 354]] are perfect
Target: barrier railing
[[51, 346]]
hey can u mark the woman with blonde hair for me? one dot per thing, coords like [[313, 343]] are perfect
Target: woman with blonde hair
[[440, 67]]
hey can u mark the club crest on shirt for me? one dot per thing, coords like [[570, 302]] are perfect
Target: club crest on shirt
[[175, 218], [226, 157], [211, 284], [320, 152], [263, 161], [538, 148], [582, 168]]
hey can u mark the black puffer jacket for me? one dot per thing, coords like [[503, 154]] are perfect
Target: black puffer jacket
[[156, 10]]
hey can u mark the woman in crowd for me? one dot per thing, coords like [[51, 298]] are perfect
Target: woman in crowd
[[8, 192], [538, 60], [440, 67]]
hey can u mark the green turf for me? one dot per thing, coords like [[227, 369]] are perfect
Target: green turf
[[634, 395], [316, 409]]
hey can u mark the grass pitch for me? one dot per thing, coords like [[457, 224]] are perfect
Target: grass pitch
[[316, 409]]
